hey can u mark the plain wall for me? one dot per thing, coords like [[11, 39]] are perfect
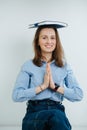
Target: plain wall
[[16, 47]]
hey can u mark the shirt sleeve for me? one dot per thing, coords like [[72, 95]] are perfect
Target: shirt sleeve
[[72, 90], [22, 91]]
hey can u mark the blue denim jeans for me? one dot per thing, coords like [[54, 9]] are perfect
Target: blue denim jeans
[[45, 115]]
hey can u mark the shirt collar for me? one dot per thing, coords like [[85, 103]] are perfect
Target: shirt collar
[[53, 61]]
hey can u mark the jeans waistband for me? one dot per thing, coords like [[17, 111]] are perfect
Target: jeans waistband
[[44, 101]]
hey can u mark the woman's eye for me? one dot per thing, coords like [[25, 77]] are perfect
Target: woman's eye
[[44, 37], [52, 37]]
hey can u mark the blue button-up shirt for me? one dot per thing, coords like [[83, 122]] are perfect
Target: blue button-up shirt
[[32, 76]]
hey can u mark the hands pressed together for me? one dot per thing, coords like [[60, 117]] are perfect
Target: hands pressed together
[[48, 80]]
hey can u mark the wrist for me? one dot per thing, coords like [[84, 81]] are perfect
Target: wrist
[[42, 87], [56, 87], [61, 90]]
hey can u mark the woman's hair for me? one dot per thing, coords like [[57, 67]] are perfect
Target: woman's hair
[[58, 53]]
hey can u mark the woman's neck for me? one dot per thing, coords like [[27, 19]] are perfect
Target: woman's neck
[[47, 57]]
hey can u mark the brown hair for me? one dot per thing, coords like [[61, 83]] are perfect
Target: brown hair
[[58, 53]]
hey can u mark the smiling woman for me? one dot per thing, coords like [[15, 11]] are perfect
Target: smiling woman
[[45, 81], [48, 38]]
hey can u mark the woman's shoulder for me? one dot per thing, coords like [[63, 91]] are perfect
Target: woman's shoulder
[[68, 67], [27, 64]]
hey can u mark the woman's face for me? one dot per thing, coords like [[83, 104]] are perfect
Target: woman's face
[[47, 40]]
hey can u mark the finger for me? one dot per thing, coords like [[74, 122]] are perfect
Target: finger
[[46, 73], [48, 67]]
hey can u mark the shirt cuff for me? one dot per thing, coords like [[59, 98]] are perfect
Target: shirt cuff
[[29, 93]]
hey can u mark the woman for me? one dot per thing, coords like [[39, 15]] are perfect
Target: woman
[[45, 81]]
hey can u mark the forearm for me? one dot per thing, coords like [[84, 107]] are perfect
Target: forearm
[[73, 94], [21, 94]]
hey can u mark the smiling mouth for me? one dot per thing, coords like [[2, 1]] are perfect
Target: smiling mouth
[[48, 46]]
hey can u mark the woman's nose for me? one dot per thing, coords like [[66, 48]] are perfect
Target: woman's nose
[[48, 40]]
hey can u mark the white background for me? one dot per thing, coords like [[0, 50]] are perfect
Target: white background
[[16, 47]]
